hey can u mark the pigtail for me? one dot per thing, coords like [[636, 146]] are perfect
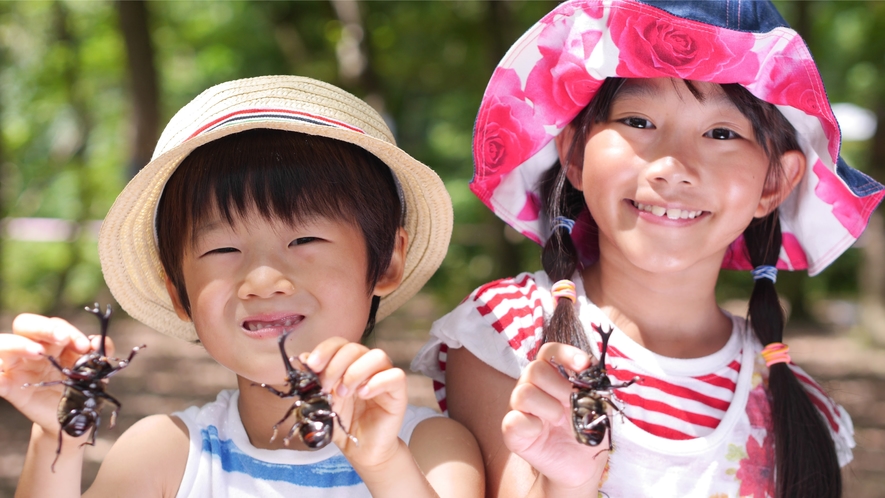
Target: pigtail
[[805, 454], [559, 259]]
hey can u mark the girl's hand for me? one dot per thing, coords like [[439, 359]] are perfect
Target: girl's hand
[[368, 394], [539, 428], [23, 361]]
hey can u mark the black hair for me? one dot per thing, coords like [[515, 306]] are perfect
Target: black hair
[[282, 175], [806, 462]]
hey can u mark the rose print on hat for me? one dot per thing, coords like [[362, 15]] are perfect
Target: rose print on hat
[[654, 46]]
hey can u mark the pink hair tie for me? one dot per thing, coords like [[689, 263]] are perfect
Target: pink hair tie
[[776, 352], [564, 288]]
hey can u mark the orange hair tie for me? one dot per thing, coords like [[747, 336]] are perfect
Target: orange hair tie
[[564, 288], [776, 352]]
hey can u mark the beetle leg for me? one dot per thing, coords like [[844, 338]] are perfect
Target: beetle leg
[[287, 415], [625, 384], [292, 431], [43, 384], [348, 434], [274, 391]]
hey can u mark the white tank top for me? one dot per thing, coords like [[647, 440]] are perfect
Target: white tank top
[[222, 463]]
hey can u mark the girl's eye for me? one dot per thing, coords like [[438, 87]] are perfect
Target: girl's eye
[[635, 122], [721, 134], [302, 240]]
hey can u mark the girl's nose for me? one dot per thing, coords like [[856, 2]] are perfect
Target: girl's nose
[[264, 282], [672, 171]]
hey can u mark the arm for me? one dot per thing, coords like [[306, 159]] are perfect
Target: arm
[[147, 460], [524, 427], [449, 456]]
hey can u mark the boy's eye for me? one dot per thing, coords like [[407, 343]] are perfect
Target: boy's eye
[[635, 122], [721, 134], [302, 240], [220, 250]]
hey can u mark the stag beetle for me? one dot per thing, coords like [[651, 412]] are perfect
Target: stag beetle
[[80, 407], [313, 409], [593, 394]]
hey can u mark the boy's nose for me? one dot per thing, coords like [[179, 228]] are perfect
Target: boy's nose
[[265, 282]]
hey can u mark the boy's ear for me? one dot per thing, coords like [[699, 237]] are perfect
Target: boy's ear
[[563, 143], [793, 169], [393, 276], [176, 300]]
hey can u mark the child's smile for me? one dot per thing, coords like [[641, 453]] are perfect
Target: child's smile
[[672, 179], [250, 282]]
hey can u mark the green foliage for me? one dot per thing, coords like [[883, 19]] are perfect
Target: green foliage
[[66, 112]]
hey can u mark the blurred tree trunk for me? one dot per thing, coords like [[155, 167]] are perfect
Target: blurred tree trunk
[[143, 81], [871, 272], [505, 254], [3, 183], [70, 78]]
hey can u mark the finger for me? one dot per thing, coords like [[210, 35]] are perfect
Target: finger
[[547, 378], [568, 356], [13, 348], [390, 382], [319, 358], [49, 330], [520, 430], [528, 399], [338, 365], [95, 344], [368, 364]]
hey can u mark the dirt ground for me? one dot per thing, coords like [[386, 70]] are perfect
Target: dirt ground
[[171, 375]]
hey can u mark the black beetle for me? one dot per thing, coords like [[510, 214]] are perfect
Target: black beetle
[[592, 396], [313, 409], [80, 407]]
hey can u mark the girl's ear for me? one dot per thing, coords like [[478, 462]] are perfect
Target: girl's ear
[[393, 276], [176, 300], [573, 171], [793, 170]]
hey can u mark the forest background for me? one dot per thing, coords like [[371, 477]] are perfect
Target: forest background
[[86, 87]]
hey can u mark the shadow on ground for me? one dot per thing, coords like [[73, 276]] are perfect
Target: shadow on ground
[[171, 375]]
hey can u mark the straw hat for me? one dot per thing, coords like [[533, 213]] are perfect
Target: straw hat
[[127, 244], [553, 71]]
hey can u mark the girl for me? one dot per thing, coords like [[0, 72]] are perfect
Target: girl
[[274, 207], [646, 145]]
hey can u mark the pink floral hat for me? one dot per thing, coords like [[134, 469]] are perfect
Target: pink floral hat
[[553, 71]]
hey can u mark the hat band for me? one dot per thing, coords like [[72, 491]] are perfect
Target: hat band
[[281, 115]]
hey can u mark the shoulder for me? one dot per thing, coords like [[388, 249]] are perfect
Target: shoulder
[[449, 455], [147, 460]]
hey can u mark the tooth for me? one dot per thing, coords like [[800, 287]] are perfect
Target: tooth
[[673, 213], [684, 215], [288, 322], [658, 210]]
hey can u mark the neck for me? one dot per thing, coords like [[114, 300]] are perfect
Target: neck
[[260, 410], [673, 314]]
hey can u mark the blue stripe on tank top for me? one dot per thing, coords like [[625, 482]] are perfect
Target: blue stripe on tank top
[[332, 473]]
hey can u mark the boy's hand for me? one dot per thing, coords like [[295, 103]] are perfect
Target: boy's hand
[[539, 427], [368, 394], [23, 361]]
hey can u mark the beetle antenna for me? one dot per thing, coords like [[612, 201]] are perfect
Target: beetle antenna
[[282, 343]]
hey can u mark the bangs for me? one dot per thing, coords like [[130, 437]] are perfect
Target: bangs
[[285, 177]]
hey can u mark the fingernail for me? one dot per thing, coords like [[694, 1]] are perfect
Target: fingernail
[[34, 348], [83, 343], [313, 360], [364, 391], [581, 359], [342, 390], [59, 335]]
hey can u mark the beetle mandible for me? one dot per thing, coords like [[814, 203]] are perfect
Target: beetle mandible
[[594, 393], [79, 409], [313, 409]]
